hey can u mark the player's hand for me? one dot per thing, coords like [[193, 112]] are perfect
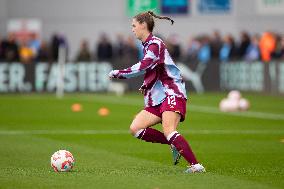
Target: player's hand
[[142, 89], [113, 74]]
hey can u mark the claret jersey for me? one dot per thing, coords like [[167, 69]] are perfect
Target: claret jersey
[[162, 77]]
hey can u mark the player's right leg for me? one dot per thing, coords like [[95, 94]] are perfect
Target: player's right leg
[[170, 124], [140, 128]]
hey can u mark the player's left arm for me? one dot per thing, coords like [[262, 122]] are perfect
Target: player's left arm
[[149, 61]]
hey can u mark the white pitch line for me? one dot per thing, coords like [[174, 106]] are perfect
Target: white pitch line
[[62, 132], [250, 114], [123, 132]]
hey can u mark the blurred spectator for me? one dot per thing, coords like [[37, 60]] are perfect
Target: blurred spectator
[[204, 55], [279, 49], [84, 54], [139, 48], [57, 41], [244, 44], [44, 53], [26, 53], [192, 48], [34, 43], [282, 47], [131, 52], [10, 49], [216, 43], [119, 46], [1, 51], [174, 47], [252, 53], [267, 46], [104, 49], [228, 49]]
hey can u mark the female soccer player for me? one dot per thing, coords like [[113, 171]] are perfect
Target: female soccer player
[[164, 93]]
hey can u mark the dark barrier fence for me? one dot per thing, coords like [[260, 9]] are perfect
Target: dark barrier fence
[[256, 76], [44, 77], [93, 77]]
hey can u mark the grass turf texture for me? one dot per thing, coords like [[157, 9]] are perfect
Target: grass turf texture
[[238, 150]]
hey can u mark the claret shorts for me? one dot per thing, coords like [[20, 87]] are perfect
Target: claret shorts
[[171, 103]]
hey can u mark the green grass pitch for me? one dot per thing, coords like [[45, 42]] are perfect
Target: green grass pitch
[[239, 150]]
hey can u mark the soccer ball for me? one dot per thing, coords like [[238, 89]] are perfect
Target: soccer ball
[[244, 104], [62, 161], [228, 105], [234, 95]]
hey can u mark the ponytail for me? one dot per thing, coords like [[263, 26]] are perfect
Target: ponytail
[[160, 17], [148, 18]]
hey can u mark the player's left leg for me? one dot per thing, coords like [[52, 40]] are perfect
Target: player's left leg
[[140, 128], [170, 123]]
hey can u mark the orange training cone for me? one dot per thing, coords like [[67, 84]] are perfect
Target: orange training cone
[[103, 111], [76, 107]]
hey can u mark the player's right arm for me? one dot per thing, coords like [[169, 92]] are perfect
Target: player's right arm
[[149, 61]]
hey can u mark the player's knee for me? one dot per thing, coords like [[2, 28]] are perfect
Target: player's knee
[[133, 130]]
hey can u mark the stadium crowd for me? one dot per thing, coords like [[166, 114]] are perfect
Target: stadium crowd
[[203, 48]]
